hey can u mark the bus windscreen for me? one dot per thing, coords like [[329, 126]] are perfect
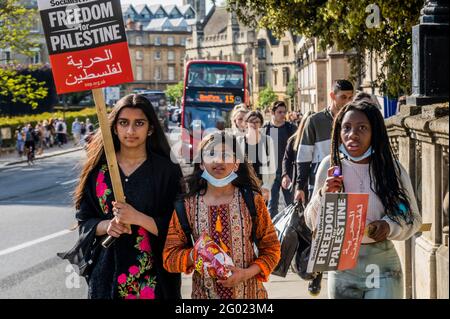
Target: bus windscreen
[[216, 76]]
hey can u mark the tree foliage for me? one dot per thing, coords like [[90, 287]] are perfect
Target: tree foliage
[[266, 98], [350, 26], [16, 23], [174, 93], [23, 88]]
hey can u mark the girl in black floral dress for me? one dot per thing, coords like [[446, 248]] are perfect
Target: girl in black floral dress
[[131, 268]]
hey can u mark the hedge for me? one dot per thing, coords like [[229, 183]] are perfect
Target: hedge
[[19, 121]]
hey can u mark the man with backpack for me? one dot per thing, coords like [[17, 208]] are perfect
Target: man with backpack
[[60, 135]]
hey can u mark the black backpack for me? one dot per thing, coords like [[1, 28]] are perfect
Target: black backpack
[[249, 199]]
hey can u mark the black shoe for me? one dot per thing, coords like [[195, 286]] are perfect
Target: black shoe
[[314, 285]]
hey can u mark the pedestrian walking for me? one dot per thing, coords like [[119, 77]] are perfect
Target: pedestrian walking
[[51, 128], [76, 132], [281, 131], [20, 141], [361, 150], [316, 139], [214, 204], [30, 144], [60, 132], [289, 166], [39, 138], [237, 119], [132, 267], [260, 152], [83, 131]]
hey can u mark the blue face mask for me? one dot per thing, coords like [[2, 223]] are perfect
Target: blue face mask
[[219, 182], [344, 151]]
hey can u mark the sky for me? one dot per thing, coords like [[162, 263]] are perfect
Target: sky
[[163, 2]]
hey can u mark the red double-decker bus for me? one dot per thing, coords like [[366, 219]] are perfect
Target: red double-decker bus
[[211, 90]]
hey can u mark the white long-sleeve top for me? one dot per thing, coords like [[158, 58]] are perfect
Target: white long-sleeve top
[[357, 180], [268, 159]]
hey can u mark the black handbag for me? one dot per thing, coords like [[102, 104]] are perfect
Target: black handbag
[[300, 262], [84, 254], [285, 224]]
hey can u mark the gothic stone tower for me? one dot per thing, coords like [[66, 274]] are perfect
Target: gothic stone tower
[[199, 7]]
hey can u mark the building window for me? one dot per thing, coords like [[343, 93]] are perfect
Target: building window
[[158, 55], [171, 73], [138, 73], [286, 76], [36, 58], [139, 55], [138, 40], [183, 41], [170, 41], [261, 49], [158, 73], [262, 79], [5, 57], [286, 50], [157, 40], [275, 77], [170, 55]]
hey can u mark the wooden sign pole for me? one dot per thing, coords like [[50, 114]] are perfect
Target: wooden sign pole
[[110, 152]]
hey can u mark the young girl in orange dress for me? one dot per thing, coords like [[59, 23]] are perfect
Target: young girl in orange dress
[[214, 204]]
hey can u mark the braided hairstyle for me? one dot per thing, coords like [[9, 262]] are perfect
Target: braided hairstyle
[[384, 168]]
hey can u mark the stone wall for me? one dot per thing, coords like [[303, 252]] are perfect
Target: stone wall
[[420, 138]]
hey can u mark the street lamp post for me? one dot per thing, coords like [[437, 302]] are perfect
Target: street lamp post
[[430, 55]]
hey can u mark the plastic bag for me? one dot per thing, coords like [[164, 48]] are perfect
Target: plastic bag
[[210, 259], [300, 262], [285, 226]]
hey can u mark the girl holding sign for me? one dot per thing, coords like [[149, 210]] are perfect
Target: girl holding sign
[[362, 161], [132, 267], [223, 200]]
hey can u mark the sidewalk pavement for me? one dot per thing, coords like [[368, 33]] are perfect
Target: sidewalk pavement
[[13, 158], [291, 287]]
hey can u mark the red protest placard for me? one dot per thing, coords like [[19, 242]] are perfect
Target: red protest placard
[[339, 232], [87, 43], [354, 231]]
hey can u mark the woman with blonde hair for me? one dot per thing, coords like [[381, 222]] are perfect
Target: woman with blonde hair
[[237, 118]]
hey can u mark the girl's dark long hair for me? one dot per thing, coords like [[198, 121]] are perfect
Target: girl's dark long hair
[[194, 184], [384, 168], [156, 143]]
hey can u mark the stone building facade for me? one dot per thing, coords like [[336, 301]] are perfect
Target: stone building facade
[[270, 61], [316, 71], [157, 38], [40, 53]]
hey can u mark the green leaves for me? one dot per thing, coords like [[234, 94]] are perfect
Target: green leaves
[[16, 23], [348, 24], [174, 93], [21, 88], [266, 97]]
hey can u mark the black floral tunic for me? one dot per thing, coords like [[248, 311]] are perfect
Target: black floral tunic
[[132, 267]]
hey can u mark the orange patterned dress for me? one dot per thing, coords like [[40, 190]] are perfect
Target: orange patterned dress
[[236, 234]]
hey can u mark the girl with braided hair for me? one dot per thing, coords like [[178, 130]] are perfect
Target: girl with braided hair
[[361, 150]]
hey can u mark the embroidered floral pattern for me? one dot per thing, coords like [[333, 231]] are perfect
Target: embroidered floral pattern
[[102, 189], [136, 284]]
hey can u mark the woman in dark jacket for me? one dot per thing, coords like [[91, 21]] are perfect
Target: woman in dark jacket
[[131, 268], [289, 167]]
